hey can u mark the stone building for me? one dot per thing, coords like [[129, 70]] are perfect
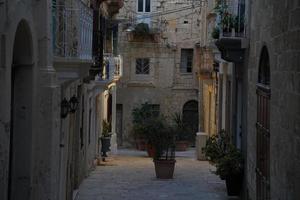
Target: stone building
[[53, 101], [209, 79], [273, 100], [157, 40], [265, 62]]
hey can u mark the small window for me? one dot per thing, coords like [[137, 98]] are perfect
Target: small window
[[155, 109], [140, 5], [148, 6], [186, 64], [144, 5], [142, 66]]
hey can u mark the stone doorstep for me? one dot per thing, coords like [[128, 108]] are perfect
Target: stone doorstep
[[75, 194]]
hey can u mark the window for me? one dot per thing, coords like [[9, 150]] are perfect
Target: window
[[155, 109], [142, 66], [186, 63], [144, 6]]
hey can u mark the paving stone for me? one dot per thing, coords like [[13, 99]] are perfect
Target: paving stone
[[131, 176]]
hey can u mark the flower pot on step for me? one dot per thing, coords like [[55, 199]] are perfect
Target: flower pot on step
[[164, 169]]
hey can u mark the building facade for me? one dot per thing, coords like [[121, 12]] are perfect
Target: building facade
[[263, 56], [53, 101], [273, 100], [160, 62]]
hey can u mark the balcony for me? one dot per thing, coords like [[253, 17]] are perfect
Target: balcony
[[143, 32], [231, 32], [72, 31], [111, 7], [112, 70]]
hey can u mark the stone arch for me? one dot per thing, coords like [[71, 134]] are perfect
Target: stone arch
[[21, 114], [264, 67], [190, 116]]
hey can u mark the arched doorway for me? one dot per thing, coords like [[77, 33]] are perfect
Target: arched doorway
[[190, 117], [263, 128], [21, 115]]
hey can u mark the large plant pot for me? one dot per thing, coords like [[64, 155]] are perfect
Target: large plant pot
[[141, 144], [234, 184], [105, 141], [182, 145], [150, 150], [164, 169]]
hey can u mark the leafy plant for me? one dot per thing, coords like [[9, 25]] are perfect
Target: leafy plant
[[106, 128], [216, 146], [231, 163], [227, 19], [224, 155], [161, 136], [140, 115], [179, 127], [215, 33], [141, 29]]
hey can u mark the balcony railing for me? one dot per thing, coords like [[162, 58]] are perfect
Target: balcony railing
[[112, 68], [72, 30], [230, 20]]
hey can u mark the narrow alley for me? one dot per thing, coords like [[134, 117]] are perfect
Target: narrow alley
[[209, 89], [130, 175]]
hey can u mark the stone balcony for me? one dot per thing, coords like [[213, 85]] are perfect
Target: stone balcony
[[111, 7], [232, 41]]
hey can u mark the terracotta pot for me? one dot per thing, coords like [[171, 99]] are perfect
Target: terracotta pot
[[182, 145], [234, 184], [164, 169], [150, 150]]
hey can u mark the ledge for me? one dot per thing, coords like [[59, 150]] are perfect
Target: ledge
[[232, 48]]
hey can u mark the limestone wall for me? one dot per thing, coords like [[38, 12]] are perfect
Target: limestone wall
[[176, 26], [276, 25]]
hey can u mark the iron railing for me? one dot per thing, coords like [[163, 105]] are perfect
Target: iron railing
[[231, 19], [72, 30], [112, 68]]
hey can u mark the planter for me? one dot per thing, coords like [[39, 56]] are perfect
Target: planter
[[164, 169], [150, 150], [141, 144], [182, 145], [234, 184], [105, 144]]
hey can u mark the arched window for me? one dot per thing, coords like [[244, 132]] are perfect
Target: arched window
[[263, 127]]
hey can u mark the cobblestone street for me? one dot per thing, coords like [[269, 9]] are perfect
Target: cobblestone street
[[131, 176]]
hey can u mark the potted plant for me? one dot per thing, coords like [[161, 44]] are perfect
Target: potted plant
[[215, 34], [228, 161], [105, 138], [140, 117], [163, 141], [181, 132]]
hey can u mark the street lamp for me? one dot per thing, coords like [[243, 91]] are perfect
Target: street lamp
[[73, 104], [64, 108]]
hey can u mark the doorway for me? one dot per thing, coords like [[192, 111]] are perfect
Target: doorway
[[190, 116], [21, 115], [263, 92], [119, 124]]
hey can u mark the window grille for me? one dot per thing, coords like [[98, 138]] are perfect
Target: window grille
[[142, 66]]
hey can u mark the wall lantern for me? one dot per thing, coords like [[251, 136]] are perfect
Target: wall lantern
[[64, 108], [73, 104]]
